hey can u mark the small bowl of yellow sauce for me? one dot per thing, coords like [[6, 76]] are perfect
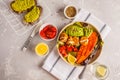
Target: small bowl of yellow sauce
[[70, 11], [41, 49]]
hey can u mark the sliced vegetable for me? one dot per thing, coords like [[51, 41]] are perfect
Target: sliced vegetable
[[81, 52], [60, 43], [92, 42], [62, 50], [75, 49], [88, 31], [74, 30], [71, 59], [78, 23], [85, 51], [73, 53], [48, 32], [69, 48], [101, 43]]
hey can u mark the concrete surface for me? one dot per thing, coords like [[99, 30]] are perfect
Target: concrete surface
[[17, 65]]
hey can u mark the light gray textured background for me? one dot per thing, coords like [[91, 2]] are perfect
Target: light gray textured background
[[16, 65]]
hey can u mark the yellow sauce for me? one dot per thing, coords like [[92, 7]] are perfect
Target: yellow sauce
[[41, 49]]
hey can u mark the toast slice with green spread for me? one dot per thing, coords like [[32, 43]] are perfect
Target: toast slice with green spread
[[20, 6], [32, 11], [33, 15]]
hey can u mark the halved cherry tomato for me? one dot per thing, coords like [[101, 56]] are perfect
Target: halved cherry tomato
[[43, 35], [75, 49], [69, 48], [62, 50], [48, 32]]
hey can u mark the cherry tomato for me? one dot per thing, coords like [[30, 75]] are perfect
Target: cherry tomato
[[75, 49], [48, 32], [62, 50], [69, 48]]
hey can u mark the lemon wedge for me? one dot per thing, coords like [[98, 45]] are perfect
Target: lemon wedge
[[71, 59], [101, 70], [41, 49]]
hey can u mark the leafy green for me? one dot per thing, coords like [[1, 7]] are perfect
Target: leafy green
[[78, 23]]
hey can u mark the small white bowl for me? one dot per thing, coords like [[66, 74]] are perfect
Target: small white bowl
[[43, 26], [38, 47], [67, 8], [94, 70]]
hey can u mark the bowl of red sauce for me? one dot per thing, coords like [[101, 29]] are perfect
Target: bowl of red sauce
[[48, 31]]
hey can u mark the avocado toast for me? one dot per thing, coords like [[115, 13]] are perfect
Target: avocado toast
[[33, 15], [19, 6], [30, 9]]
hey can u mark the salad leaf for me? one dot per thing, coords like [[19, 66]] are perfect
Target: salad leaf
[[60, 43], [78, 23]]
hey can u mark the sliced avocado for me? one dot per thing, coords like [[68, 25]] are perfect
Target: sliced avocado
[[88, 31], [78, 23], [33, 15], [21, 5], [74, 30]]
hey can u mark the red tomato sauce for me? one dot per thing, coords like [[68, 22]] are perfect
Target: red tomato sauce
[[48, 32]]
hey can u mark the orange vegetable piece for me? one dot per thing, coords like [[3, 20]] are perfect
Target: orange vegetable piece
[[85, 51]]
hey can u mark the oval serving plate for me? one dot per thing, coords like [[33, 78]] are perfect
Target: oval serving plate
[[64, 44]]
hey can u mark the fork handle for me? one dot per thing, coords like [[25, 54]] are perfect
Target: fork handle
[[26, 44], [81, 74]]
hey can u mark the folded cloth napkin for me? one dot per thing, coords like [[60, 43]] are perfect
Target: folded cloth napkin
[[60, 69]]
